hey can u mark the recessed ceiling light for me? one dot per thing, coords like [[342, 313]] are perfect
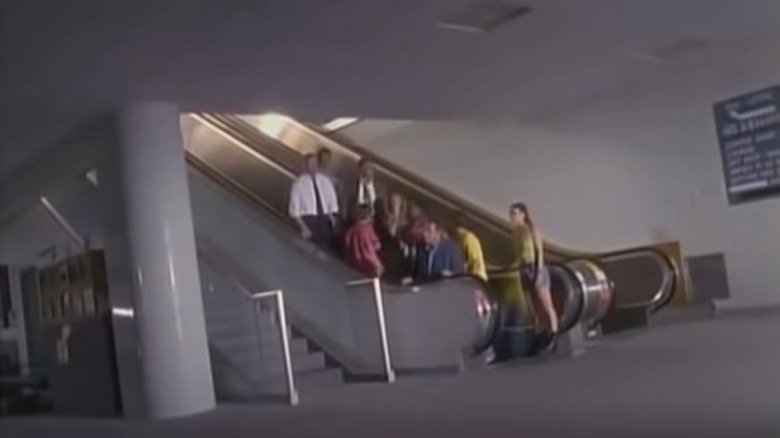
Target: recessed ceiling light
[[92, 177], [676, 48], [483, 16], [339, 123]]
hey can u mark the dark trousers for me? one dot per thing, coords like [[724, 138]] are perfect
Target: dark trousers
[[321, 228], [515, 338]]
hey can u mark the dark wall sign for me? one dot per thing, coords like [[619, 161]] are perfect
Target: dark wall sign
[[749, 137]]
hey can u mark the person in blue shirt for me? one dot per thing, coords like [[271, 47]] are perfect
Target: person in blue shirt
[[440, 257]]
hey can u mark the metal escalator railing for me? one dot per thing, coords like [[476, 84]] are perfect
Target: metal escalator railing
[[661, 278], [260, 182]]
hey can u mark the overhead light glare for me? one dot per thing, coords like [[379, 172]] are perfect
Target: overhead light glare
[[675, 49], [483, 16], [272, 124], [339, 123]]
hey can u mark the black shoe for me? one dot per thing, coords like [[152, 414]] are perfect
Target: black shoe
[[548, 342], [552, 344]]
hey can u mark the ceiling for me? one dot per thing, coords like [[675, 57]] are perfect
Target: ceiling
[[63, 62]]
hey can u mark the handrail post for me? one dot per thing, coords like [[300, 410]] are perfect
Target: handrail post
[[380, 310], [284, 335], [288, 367]]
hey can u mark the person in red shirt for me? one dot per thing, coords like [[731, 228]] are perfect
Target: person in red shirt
[[362, 245]]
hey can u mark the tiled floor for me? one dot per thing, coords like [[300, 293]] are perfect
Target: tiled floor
[[710, 379]]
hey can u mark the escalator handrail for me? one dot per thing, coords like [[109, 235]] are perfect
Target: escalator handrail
[[442, 194], [581, 303], [228, 185], [382, 165], [408, 178], [670, 277], [236, 190], [253, 135], [577, 279]]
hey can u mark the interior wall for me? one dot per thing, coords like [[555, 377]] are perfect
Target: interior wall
[[618, 171], [35, 237], [28, 232]]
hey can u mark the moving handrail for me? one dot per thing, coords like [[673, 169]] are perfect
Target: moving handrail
[[665, 289], [589, 293], [379, 302]]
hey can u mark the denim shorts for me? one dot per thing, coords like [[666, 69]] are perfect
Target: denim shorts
[[531, 275]]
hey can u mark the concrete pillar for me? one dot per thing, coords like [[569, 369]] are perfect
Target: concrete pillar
[[159, 325]]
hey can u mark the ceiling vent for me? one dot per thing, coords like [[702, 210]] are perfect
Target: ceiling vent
[[483, 16], [675, 49]]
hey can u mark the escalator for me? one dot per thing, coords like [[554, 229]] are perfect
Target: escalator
[[239, 199], [262, 170], [585, 285]]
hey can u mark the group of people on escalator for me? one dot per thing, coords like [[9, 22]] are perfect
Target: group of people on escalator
[[383, 234]]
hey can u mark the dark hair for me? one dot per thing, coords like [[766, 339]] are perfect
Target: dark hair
[[458, 220], [324, 152], [521, 207], [361, 212]]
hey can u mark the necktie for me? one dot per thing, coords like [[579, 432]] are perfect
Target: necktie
[[317, 197], [365, 196]]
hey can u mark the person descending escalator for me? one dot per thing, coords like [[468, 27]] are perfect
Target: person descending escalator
[[535, 278], [314, 204], [397, 214], [440, 257], [386, 225], [473, 256], [470, 246], [473, 260], [325, 167], [362, 246], [366, 191]]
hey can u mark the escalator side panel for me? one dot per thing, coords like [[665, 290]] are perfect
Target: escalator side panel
[[434, 327], [317, 299], [682, 294]]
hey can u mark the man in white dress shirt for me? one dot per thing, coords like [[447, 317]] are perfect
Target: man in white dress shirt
[[314, 204]]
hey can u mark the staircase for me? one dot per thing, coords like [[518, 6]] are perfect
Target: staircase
[[245, 346]]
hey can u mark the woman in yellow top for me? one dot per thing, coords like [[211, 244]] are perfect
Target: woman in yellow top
[[535, 277]]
